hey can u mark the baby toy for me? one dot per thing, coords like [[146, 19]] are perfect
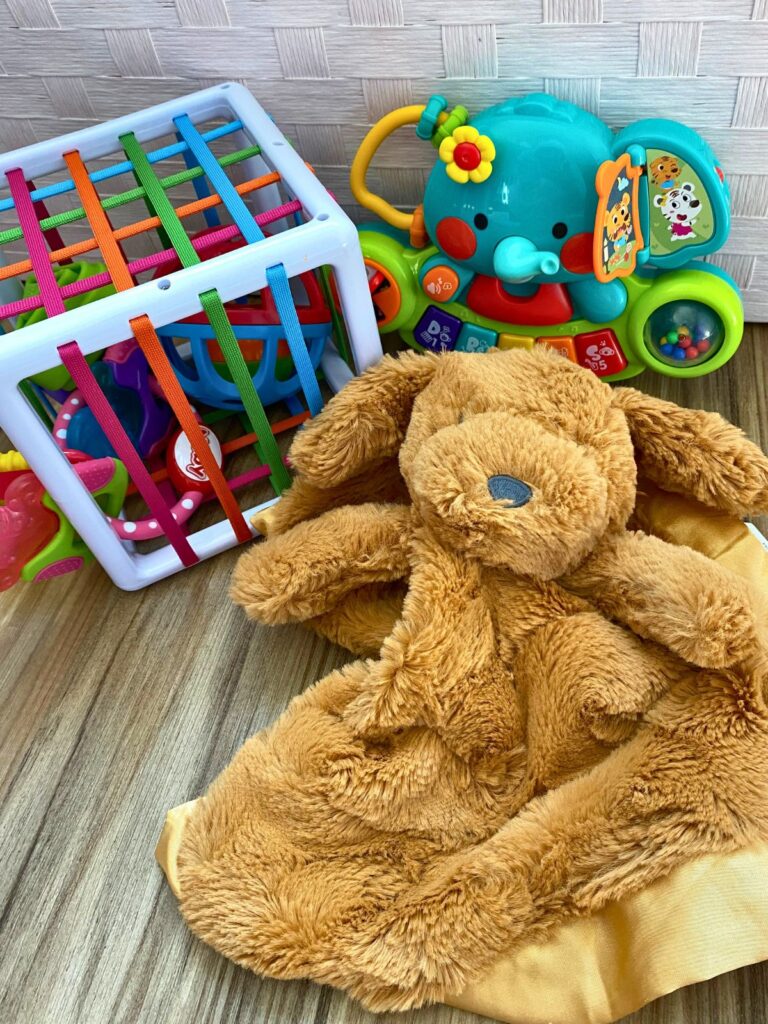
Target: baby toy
[[30, 519], [37, 542], [90, 339], [133, 393], [541, 226], [184, 469], [67, 275], [257, 327], [563, 710]]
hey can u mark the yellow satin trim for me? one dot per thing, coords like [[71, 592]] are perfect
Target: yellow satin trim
[[716, 534], [706, 918], [169, 843]]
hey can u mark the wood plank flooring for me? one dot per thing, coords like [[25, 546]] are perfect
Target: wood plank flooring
[[116, 707]]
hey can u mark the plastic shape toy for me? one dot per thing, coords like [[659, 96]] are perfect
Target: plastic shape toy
[[540, 225], [185, 471], [257, 327], [26, 526], [190, 480], [124, 377], [66, 275], [37, 542], [216, 130]]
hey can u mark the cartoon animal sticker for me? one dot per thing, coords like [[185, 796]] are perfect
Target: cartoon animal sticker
[[618, 221], [617, 237], [681, 208], [665, 171]]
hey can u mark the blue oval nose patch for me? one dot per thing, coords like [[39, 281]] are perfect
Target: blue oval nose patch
[[509, 489]]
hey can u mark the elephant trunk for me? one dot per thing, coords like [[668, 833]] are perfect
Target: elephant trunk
[[517, 259]]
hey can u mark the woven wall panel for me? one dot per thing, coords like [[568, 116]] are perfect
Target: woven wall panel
[[113, 13], [133, 51], [377, 13], [327, 70], [199, 13], [33, 13]]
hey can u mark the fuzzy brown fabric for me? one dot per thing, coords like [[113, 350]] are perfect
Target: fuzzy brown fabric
[[562, 710]]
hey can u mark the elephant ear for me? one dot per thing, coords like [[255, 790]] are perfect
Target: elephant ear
[[696, 453], [364, 423], [676, 155]]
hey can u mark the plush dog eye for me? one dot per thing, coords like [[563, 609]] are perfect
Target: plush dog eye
[[560, 230], [509, 489], [481, 221]]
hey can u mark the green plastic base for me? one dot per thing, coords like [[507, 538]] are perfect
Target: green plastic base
[[696, 283]]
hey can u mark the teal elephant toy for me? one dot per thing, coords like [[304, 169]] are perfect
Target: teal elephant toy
[[539, 224]]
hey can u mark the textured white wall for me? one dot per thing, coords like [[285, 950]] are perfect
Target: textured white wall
[[326, 68]]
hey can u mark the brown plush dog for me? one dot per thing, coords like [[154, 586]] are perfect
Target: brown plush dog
[[386, 834], [462, 430]]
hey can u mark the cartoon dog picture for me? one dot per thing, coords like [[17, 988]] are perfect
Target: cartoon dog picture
[[681, 208], [665, 170]]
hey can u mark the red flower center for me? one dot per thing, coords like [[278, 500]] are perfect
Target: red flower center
[[467, 156]]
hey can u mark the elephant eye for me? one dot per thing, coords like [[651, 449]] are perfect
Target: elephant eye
[[481, 221], [560, 230]]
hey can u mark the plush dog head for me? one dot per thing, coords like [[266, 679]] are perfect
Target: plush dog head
[[523, 459]]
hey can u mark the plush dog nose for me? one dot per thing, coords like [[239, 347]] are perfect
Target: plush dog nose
[[509, 489]]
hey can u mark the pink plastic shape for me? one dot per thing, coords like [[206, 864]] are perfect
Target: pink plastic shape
[[60, 568], [26, 526], [96, 473], [146, 529]]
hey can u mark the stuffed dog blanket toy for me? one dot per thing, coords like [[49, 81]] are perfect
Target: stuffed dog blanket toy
[[561, 708]]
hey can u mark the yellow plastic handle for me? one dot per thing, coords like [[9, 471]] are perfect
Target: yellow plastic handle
[[368, 147], [12, 462]]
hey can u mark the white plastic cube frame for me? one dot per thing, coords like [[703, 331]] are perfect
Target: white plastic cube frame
[[327, 238]]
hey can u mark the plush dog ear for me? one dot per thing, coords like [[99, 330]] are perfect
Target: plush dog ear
[[697, 453], [365, 422]]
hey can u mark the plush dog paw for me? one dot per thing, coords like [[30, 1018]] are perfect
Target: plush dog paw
[[720, 631]]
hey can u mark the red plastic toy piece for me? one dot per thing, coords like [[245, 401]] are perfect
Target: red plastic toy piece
[[467, 156], [455, 237], [260, 309], [26, 526], [576, 254], [185, 471], [549, 304], [600, 352]]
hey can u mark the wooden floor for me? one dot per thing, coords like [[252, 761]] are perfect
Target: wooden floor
[[116, 707]]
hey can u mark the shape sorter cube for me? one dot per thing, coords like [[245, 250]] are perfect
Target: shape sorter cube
[[192, 300]]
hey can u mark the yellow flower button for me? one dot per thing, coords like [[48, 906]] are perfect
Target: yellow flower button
[[467, 155]]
